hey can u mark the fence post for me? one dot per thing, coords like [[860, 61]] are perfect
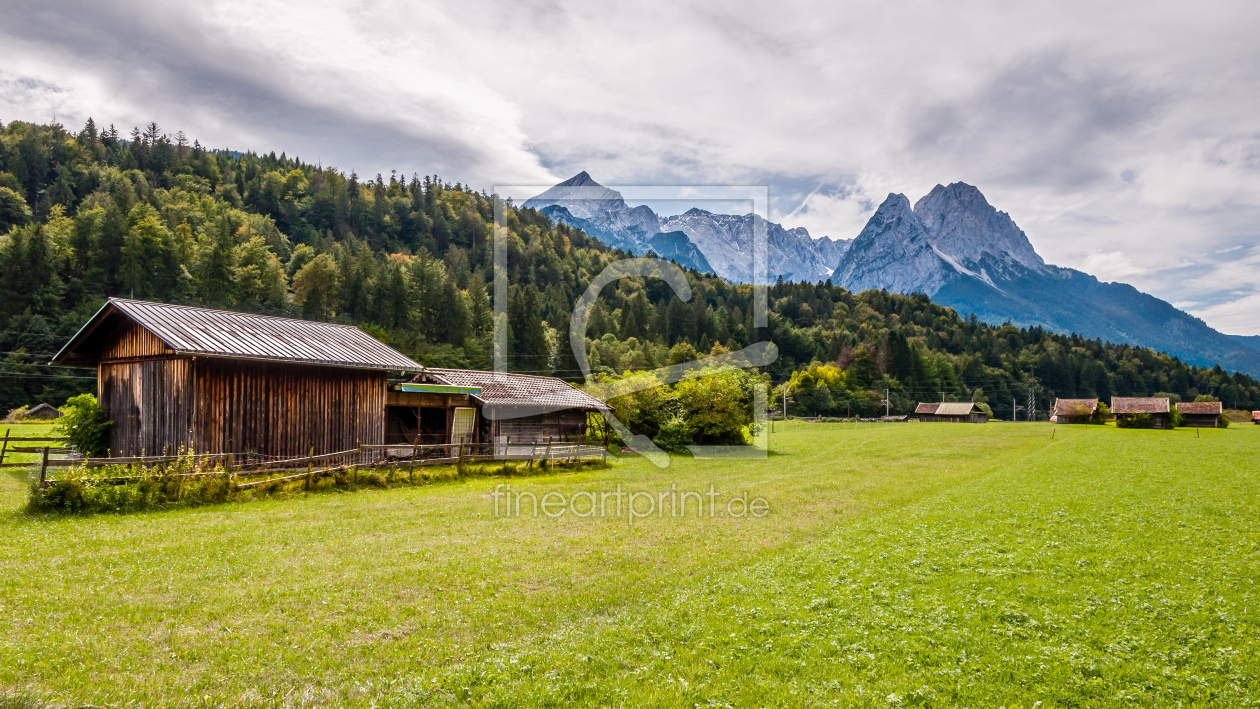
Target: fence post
[[547, 455], [5, 449], [43, 468], [309, 463]]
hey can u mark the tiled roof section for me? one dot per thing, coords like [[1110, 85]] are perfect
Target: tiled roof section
[[1139, 405], [926, 408], [956, 409], [1201, 407], [222, 333], [1075, 407], [509, 389]]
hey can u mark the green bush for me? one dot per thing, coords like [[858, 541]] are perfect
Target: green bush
[[674, 436], [1101, 415], [1222, 421], [1175, 418], [84, 423], [1135, 421]]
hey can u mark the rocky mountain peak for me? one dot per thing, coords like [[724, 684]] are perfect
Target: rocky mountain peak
[[960, 222], [581, 195]]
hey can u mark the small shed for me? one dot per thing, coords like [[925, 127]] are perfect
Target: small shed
[[43, 412], [1074, 410], [175, 377], [1201, 414], [964, 412], [1255, 417], [1158, 408], [494, 406]]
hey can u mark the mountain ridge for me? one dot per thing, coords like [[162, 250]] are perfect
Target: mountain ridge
[[987, 266]]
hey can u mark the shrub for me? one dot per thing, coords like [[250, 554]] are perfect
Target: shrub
[[17, 415], [1101, 415], [1222, 421], [1135, 421], [673, 436], [1175, 418], [84, 423]]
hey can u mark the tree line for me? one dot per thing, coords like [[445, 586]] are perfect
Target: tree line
[[93, 214]]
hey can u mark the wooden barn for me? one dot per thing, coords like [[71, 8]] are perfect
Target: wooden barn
[[212, 381], [1074, 410], [965, 412], [1158, 408], [1255, 417], [175, 377], [487, 406], [1201, 414], [43, 412]]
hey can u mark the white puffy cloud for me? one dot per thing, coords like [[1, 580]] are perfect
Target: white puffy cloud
[[1122, 137]]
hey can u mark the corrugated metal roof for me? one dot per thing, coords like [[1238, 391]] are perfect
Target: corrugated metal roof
[[1201, 407], [1139, 405], [222, 333], [508, 389], [1075, 407]]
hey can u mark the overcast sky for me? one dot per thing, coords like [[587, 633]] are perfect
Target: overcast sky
[[1124, 138]]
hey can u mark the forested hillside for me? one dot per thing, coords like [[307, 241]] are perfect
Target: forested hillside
[[93, 214]]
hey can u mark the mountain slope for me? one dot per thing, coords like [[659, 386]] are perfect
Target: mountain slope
[[984, 264], [722, 240]]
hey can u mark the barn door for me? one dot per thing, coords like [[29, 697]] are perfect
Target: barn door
[[463, 425]]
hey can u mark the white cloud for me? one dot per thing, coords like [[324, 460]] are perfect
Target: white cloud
[[1122, 138], [1235, 317]]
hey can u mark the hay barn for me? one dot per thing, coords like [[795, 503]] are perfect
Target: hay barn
[[1074, 410], [43, 412], [965, 412], [1201, 414], [176, 377], [1158, 408]]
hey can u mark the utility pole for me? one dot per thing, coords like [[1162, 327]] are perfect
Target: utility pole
[[886, 403], [1032, 397], [1015, 410]]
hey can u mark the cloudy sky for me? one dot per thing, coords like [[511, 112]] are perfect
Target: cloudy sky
[[1124, 138]]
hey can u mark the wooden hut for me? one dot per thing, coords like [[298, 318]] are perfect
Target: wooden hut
[[1255, 417], [1201, 414], [1158, 408], [964, 412], [487, 406], [174, 377], [1074, 410], [43, 412]]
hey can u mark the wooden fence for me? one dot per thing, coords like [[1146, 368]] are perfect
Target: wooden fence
[[364, 457]]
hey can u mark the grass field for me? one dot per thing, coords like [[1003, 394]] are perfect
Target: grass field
[[899, 565]]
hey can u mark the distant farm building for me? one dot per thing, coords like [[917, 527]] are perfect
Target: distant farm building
[[43, 412], [1074, 410], [214, 381], [1158, 408], [1201, 414], [1255, 417], [965, 412]]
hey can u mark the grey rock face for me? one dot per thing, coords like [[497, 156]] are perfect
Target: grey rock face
[[960, 222], [894, 252]]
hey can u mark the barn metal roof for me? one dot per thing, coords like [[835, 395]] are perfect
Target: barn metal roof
[[510, 389], [1139, 405], [1201, 407], [222, 333]]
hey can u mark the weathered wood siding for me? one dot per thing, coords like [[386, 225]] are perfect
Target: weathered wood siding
[[285, 409], [150, 402], [134, 342], [568, 425]]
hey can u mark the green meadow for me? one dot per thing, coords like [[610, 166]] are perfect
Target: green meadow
[[1013, 565]]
